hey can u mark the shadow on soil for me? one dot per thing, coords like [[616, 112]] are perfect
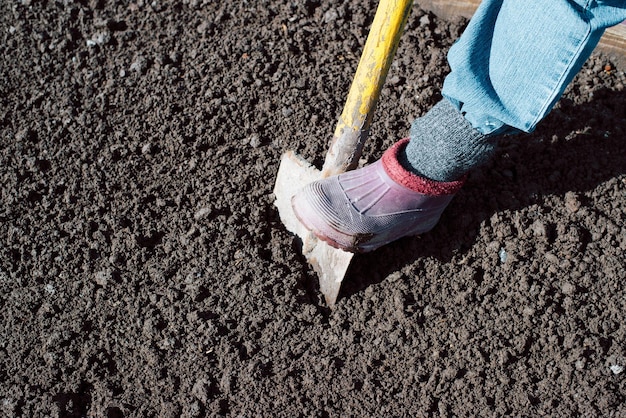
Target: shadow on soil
[[550, 161]]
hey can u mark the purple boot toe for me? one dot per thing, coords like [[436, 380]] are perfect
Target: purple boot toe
[[364, 209]]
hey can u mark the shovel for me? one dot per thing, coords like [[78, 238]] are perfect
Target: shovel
[[352, 129]]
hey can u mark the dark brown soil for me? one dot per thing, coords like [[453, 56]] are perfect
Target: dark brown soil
[[144, 271]]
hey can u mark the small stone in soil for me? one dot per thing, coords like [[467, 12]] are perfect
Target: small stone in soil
[[254, 141], [503, 255]]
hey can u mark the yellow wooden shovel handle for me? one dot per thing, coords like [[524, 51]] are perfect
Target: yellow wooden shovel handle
[[380, 47]]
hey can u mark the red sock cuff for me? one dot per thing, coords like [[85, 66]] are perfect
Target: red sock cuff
[[412, 181]]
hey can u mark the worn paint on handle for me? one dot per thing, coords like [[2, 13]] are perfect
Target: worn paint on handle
[[380, 47]]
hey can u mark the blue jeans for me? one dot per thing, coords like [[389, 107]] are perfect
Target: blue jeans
[[516, 57]]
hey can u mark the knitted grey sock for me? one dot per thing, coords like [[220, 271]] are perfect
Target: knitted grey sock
[[444, 145]]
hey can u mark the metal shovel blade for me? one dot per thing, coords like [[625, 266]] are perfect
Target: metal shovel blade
[[329, 263]]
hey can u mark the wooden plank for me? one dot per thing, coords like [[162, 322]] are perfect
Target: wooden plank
[[449, 9], [613, 42]]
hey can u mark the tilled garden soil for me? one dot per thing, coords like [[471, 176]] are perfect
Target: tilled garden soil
[[144, 271]]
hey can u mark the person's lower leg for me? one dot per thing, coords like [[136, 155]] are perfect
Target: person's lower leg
[[444, 146]]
